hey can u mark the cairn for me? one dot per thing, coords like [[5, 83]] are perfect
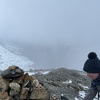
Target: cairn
[[17, 85]]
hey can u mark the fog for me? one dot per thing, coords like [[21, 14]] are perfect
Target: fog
[[54, 33]]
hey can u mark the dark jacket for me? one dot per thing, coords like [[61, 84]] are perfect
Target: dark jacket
[[93, 90]]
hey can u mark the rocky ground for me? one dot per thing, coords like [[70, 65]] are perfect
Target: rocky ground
[[73, 84], [44, 84]]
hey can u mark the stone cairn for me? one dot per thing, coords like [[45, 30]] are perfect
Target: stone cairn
[[17, 85]]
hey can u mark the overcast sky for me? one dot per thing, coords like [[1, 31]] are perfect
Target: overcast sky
[[52, 22]]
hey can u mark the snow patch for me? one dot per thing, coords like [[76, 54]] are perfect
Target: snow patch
[[44, 72], [68, 82], [8, 58], [82, 94], [85, 87]]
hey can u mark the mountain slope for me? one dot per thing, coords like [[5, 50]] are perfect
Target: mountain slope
[[72, 83], [8, 58]]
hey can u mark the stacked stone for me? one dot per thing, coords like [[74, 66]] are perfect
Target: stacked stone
[[17, 85]]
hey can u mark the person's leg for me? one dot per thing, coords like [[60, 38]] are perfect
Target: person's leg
[[91, 94]]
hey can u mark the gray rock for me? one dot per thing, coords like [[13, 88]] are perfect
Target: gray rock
[[39, 93], [4, 84], [14, 88], [12, 72], [24, 93]]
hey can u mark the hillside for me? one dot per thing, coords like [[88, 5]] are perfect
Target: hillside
[[72, 83]]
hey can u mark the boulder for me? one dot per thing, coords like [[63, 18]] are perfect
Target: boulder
[[39, 93], [14, 88], [4, 84], [5, 96], [24, 93], [12, 72]]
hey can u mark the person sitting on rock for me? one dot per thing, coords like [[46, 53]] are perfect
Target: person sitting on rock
[[92, 68]]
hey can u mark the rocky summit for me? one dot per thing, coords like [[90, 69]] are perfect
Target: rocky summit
[[57, 84], [72, 84]]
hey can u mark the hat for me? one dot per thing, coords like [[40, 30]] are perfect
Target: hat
[[92, 64]]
